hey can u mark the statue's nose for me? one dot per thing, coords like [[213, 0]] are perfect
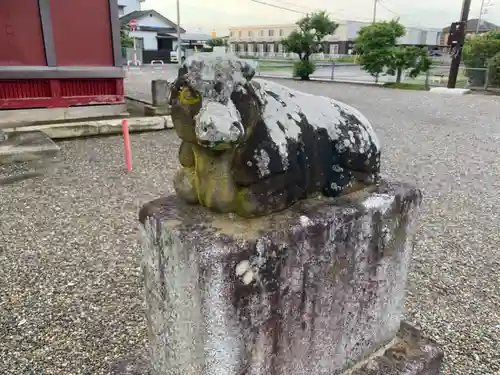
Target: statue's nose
[[213, 132]]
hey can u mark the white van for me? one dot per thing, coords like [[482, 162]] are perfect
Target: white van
[[173, 56]]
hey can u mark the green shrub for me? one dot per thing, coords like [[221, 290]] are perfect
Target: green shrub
[[302, 69], [494, 70], [477, 52], [345, 59], [405, 86]]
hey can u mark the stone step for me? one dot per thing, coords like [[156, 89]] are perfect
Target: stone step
[[96, 127], [27, 146]]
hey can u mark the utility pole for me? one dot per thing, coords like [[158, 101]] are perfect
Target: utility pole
[[374, 11], [480, 15], [457, 55], [178, 33]]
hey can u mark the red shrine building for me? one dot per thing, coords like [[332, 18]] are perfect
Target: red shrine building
[[60, 54]]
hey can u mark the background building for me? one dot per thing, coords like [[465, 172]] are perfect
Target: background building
[[156, 35], [484, 27], [265, 40], [128, 6], [154, 31]]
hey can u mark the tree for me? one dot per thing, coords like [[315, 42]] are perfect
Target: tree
[[126, 40], [413, 60], [477, 53], [494, 70], [379, 52], [307, 40], [217, 42], [375, 44]]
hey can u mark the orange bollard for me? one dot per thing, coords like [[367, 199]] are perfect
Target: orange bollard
[[126, 145]]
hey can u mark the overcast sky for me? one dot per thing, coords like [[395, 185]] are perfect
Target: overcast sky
[[219, 15]]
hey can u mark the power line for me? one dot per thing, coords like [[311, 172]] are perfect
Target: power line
[[336, 14], [482, 12], [277, 6], [382, 4], [294, 5], [387, 9], [308, 9], [400, 16]]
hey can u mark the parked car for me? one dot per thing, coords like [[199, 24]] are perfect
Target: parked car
[[173, 57], [435, 53]]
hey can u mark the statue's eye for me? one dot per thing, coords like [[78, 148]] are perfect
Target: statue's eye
[[188, 96]]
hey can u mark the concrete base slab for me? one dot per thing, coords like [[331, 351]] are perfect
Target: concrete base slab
[[27, 146], [447, 91], [100, 127], [28, 117], [408, 354]]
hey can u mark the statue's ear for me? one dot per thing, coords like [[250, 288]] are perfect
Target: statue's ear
[[183, 69], [248, 69], [258, 93], [174, 88]]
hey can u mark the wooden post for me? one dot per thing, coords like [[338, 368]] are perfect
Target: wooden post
[[455, 62]]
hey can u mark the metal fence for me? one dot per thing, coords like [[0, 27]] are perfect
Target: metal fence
[[344, 68], [471, 78], [292, 56]]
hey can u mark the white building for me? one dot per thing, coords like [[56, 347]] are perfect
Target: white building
[[265, 39], [154, 31], [155, 35], [128, 6], [424, 37]]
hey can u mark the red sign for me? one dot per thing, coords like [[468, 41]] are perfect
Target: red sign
[[133, 24]]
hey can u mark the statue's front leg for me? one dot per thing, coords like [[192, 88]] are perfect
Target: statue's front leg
[[186, 154], [184, 180], [265, 197], [184, 185]]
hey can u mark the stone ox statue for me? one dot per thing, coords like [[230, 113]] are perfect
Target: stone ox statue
[[254, 147]]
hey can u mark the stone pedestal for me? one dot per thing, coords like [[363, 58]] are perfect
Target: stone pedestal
[[160, 92], [317, 289]]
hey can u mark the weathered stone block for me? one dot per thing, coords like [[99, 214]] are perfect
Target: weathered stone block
[[160, 91], [408, 354], [312, 290], [26, 146]]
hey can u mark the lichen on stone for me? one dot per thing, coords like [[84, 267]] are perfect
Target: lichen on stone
[[259, 147]]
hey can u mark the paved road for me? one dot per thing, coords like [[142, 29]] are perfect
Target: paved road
[[339, 73], [71, 296], [136, 78]]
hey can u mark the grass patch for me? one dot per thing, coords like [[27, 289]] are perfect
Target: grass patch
[[405, 86], [346, 59], [440, 63], [438, 78], [271, 67], [248, 57]]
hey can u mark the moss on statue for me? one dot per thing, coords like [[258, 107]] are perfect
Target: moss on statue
[[210, 183]]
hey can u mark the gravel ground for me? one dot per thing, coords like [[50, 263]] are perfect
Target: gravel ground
[[70, 288], [70, 291]]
